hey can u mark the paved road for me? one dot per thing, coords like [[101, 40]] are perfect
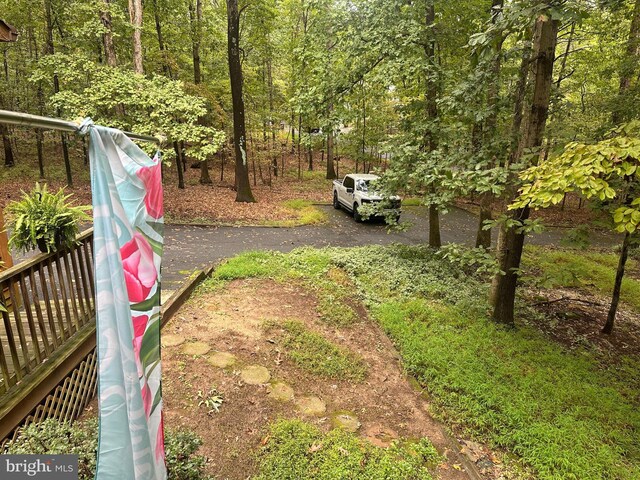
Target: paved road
[[190, 247]]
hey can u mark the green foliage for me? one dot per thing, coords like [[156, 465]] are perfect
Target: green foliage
[[591, 271], [212, 400], [46, 219], [606, 170], [470, 260], [156, 106], [578, 237], [314, 353], [559, 411], [297, 450], [54, 437]]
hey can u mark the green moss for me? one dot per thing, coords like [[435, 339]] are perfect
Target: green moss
[[317, 355], [297, 450]]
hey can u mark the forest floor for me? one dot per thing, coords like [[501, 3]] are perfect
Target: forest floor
[[322, 374], [273, 345]]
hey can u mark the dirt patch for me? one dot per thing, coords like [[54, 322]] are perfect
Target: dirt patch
[[575, 319], [230, 320]]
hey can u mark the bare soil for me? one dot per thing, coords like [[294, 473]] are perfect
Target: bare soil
[[232, 320], [575, 318]]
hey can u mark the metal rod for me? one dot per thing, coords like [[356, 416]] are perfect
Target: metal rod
[[35, 121]]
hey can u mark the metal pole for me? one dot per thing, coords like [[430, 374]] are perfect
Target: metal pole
[[35, 121]]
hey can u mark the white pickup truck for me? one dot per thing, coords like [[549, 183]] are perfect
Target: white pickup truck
[[353, 191]]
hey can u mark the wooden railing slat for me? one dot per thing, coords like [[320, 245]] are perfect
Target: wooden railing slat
[[26, 300], [19, 366], [56, 299], [56, 338]]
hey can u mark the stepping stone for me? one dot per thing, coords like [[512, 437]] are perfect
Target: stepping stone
[[255, 375], [281, 391], [380, 436], [222, 359], [347, 422], [195, 348], [312, 406], [170, 340]]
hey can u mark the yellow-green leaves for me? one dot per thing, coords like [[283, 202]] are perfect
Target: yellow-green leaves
[[605, 170]]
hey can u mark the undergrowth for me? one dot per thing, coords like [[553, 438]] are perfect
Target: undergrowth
[[317, 355], [591, 271], [297, 450], [563, 415]]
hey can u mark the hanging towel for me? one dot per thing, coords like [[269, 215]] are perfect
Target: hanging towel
[[128, 242]]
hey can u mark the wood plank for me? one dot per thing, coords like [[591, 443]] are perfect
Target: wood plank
[[5, 254]]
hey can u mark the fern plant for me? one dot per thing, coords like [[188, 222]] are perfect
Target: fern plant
[[44, 220]]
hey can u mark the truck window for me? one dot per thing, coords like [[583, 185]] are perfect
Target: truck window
[[348, 182]]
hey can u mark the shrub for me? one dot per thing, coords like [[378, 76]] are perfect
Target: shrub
[[54, 437]]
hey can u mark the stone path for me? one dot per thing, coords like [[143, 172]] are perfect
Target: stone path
[[280, 391]]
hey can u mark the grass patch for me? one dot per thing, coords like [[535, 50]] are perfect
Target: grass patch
[[591, 271], [559, 411], [315, 354], [297, 450], [306, 214], [411, 202]]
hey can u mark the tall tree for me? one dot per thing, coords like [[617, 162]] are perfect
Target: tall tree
[[243, 186], [50, 49], [512, 231], [107, 34], [629, 62], [431, 101], [135, 15]]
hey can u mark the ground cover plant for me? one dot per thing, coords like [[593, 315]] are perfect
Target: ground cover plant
[[514, 388], [297, 450], [315, 354], [591, 271], [81, 438]]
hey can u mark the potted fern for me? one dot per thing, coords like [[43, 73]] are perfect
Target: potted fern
[[44, 220]]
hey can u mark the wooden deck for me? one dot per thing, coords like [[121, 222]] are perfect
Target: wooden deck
[[50, 297]]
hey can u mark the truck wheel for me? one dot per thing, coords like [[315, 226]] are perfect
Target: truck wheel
[[336, 203], [356, 215]]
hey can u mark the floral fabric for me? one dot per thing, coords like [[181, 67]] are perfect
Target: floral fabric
[[128, 242]]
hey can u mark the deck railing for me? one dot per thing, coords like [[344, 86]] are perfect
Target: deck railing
[[49, 298]]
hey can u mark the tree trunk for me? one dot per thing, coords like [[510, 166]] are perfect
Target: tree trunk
[[39, 145], [135, 15], [512, 239], [243, 193], [431, 97], [630, 61], [161, 46], [310, 153], [624, 253], [179, 161], [434, 227], [331, 172], [107, 36], [56, 88], [195, 15], [483, 236], [9, 160], [518, 101]]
